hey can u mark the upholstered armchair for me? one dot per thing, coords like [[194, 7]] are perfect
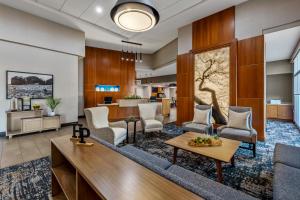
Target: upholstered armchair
[[97, 121], [151, 120], [247, 135], [194, 126]]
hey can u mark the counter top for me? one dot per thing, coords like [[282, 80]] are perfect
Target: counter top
[[111, 104]]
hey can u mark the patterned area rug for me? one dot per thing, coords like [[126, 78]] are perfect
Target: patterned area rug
[[250, 175], [30, 180]]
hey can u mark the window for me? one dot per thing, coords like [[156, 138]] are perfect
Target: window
[[297, 89]]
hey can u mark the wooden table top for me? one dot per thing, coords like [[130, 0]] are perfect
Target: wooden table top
[[114, 176], [223, 153]]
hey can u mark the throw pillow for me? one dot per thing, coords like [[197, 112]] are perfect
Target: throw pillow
[[239, 120], [201, 116]]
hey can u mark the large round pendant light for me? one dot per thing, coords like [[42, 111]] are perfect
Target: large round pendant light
[[135, 15]]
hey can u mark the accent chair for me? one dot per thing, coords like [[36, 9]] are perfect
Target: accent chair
[[151, 120], [194, 126], [246, 135], [97, 121]]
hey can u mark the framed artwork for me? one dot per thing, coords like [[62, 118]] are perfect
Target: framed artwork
[[29, 85], [212, 81]]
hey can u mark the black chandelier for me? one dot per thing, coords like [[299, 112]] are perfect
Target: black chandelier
[[135, 15], [131, 52]]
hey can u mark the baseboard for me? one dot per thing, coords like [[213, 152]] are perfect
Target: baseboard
[[68, 124]]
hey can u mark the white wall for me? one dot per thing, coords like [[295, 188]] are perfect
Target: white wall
[[185, 39], [80, 88], [21, 27], [279, 67], [29, 59], [32, 44], [251, 18]]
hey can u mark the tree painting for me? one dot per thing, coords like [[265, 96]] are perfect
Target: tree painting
[[212, 81]]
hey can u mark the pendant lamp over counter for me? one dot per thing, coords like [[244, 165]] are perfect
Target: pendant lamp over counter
[[135, 15]]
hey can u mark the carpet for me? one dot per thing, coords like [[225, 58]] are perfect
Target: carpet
[[29, 180], [250, 175]]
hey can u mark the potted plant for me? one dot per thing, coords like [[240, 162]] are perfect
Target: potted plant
[[36, 106], [52, 103]]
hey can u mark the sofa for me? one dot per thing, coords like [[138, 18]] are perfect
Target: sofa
[[286, 181], [200, 185]]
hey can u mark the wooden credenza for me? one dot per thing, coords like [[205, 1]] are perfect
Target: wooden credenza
[[98, 172], [21, 122], [280, 111]]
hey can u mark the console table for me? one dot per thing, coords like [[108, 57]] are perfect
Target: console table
[[98, 172], [21, 122]]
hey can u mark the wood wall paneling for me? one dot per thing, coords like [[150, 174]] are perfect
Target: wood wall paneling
[[250, 73], [103, 66], [185, 88], [214, 30]]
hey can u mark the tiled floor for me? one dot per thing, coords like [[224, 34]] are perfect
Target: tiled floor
[[28, 147], [33, 146]]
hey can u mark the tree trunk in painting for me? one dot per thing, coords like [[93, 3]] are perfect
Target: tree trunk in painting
[[214, 70]]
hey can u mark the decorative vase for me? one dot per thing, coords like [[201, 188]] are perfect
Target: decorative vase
[[51, 113]]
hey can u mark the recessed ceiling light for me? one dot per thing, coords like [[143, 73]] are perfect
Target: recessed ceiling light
[[99, 9]]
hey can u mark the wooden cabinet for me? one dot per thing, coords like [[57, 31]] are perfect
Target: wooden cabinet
[[33, 124], [51, 122], [272, 111], [280, 111], [21, 122], [166, 106]]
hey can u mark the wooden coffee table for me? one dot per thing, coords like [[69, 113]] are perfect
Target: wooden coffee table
[[224, 153]]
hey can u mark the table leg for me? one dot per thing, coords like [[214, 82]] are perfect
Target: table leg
[[175, 155], [219, 171], [134, 132], [232, 161], [127, 134]]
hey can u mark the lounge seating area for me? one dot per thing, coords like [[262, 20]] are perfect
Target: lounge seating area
[[149, 100]]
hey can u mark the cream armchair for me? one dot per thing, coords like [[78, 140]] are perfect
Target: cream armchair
[[97, 121], [151, 121]]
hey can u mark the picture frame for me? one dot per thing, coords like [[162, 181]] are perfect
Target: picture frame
[[27, 84]]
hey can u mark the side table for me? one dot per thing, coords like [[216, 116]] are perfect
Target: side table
[[134, 120]]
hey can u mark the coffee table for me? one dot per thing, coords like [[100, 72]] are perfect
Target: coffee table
[[219, 154]]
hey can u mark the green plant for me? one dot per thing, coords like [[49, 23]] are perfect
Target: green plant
[[132, 97], [52, 103]]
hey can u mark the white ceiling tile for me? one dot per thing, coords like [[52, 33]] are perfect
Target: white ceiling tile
[[163, 4], [56, 4], [76, 7], [92, 16], [178, 7]]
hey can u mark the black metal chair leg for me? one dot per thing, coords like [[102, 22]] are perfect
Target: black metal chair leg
[[254, 150]]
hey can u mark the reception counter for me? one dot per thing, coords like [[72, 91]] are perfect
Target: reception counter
[[124, 108]]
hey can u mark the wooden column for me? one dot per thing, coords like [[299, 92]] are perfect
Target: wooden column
[[251, 76], [185, 88]]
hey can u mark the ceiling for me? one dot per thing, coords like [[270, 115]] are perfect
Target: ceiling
[[281, 44], [99, 29]]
